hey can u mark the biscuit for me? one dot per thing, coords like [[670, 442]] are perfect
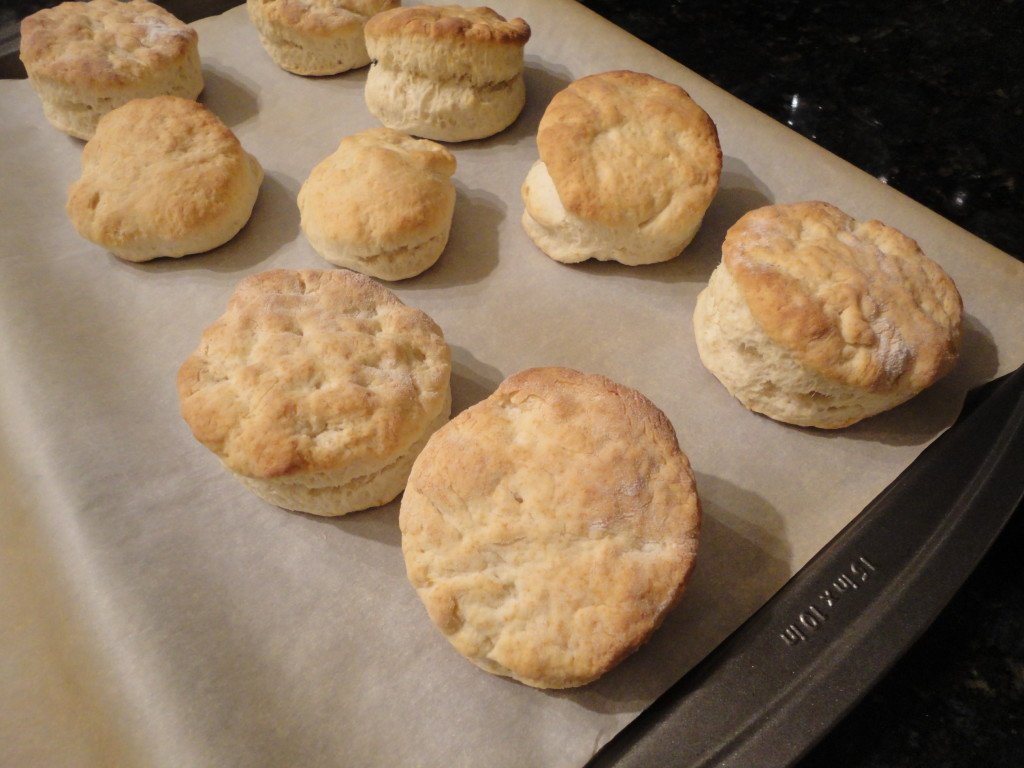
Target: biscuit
[[317, 389], [816, 319], [85, 59], [163, 177], [550, 528], [446, 72], [628, 166], [381, 204], [315, 37]]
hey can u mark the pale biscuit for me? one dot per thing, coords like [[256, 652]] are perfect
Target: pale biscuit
[[381, 204], [317, 389], [163, 177], [85, 59], [629, 164], [550, 528], [315, 37], [446, 72], [816, 319]]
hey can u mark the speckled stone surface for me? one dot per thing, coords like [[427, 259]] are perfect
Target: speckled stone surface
[[929, 97]]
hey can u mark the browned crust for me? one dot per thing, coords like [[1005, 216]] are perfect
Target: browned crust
[[450, 22], [313, 371], [75, 42], [620, 145], [855, 301]]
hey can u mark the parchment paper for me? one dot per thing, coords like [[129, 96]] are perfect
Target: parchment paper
[[154, 613]]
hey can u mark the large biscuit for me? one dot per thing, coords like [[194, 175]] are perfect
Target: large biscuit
[[317, 389], [549, 528], [628, 167], [85, 59], [163, 177], [381, 204], [315, 37], [446, 72], [816, 319]]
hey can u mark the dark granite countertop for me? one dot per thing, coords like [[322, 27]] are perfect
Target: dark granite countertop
[[927, 97]]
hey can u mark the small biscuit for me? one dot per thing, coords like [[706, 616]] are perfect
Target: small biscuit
[[382, 204], [317, 389], [550, 528], [163, 177], [315, 37], [85, 59], [816, 319], [446, 72], [628, 166]]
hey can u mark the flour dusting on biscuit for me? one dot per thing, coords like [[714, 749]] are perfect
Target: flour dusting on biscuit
[[86, 59], [816, 319]]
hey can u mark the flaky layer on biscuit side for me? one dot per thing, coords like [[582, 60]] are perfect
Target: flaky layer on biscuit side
[[569, 239], [453, 110], [322, 37], [765, 377], [328, 496], [549, 528], [449, 43]]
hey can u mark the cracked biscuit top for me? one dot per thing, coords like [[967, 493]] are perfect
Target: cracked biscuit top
[[549, 528], [625, 149], [103, 43], [855, 301], [310, 371]]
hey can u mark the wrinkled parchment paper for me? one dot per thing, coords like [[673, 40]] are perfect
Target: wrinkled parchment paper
[[155, 613]]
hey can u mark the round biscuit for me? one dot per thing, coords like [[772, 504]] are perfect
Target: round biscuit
[[315, 37], [629, 164], [550, 528], [85, 59], [317, 389], [447, 73], [816, 319], [163, 177], [381, 204]]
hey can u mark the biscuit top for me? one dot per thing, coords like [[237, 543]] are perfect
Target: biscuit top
[[310, 371], [549, 527], [857, 301], [103, 43], [628, 149], [162, 166], [381, 187], [320, 16], [449, 22]]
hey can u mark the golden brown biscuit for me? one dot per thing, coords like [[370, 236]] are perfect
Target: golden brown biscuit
[[315, 37], [447, 73], [163, 177], [85, 59], [816, 319], [628, 166], [549, 528], [317, 389], [381, 204]]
